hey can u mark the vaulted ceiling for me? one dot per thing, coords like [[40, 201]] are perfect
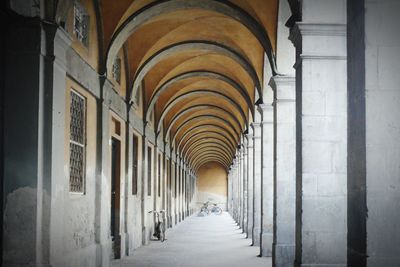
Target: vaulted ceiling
[[200, 63]]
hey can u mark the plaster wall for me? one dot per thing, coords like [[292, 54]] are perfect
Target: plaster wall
[[212, 185], [73, 231], [134, 215], [382, 56]]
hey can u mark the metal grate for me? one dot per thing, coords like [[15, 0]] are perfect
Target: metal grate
[[77, 142], [135, 164], [76, 168], [149, 166], [81, 24]]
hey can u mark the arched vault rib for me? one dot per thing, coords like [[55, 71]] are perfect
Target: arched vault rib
[[194, 93], [207, 141], [200, 107], [205, 126], [191, 74], [209, 152], [207, 147], [202, 117], [215, 153], [188, 46], [152, 10], [206, 134], [205, 160]]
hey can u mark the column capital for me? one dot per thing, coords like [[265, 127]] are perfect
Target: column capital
[[263, 108], [284, 88], [255, 125], [301, 29]]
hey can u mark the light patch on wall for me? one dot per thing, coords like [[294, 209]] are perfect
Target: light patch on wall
[[212, 185]]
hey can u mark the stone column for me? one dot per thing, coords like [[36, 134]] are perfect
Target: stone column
[[267, 179], [256, 183], [250, 184], [171, 189], [143, 195], [233, 177], [178, 188], [285, 170], [236, 191], [321, 141], [245, 189], [240, 188], [230, 191]]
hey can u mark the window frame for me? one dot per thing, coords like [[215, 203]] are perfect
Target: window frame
[[135, 164], [81, 31], [83, 145]]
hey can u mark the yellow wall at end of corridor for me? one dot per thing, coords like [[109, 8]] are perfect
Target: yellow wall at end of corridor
[[212, 184]]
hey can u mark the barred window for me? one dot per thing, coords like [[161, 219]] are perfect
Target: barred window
[[77, 143], [81, 24], [116, 70], [135, 165], [159, 175], [149, 170]]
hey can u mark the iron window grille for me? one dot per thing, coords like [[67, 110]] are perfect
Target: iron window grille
[[135, 165], [149, 166], [77, 143], [159, 175], [81, 24]]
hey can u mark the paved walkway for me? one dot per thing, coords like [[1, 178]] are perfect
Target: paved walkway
[[212, 241]]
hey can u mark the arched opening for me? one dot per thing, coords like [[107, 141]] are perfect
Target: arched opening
[[212, 185]]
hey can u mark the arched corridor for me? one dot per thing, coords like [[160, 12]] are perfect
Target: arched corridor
[[285, 114]]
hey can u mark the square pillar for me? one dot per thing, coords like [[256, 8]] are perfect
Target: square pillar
[[245, 189], [321, 140], [267, 179], [285, 170], [256, 183], [250, 184]]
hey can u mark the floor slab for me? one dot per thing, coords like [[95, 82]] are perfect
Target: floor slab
[[199, 242]]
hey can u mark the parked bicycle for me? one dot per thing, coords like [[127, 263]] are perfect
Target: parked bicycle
[[159, 225], [212, 208]]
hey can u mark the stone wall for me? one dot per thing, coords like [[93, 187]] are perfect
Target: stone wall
[[382, 78]]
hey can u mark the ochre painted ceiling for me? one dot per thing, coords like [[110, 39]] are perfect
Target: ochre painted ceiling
[[200, 63]]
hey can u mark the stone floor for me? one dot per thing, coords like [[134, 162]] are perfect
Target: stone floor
[[212, 241]]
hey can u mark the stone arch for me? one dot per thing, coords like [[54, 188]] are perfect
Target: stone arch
[[186, 75]]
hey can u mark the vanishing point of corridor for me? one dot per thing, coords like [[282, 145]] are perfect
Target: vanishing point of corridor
[[213, 241]]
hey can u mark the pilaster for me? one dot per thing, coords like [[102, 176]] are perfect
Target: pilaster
[[256, 183], [250, 195], [267, 182], [321, 140], [285, 170]]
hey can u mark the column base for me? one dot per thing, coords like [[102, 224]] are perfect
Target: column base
[[283, 255], [256, 236], [266, 246], [169, 221]]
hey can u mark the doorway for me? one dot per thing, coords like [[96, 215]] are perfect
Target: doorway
[[115, 197]]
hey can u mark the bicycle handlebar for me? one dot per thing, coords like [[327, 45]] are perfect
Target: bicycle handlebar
[[161, 211]]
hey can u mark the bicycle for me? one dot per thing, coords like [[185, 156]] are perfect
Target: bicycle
[[214, 209], [159, 226]]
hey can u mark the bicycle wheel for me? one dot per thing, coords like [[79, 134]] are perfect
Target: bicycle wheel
[[162, 232], [218, 210]]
